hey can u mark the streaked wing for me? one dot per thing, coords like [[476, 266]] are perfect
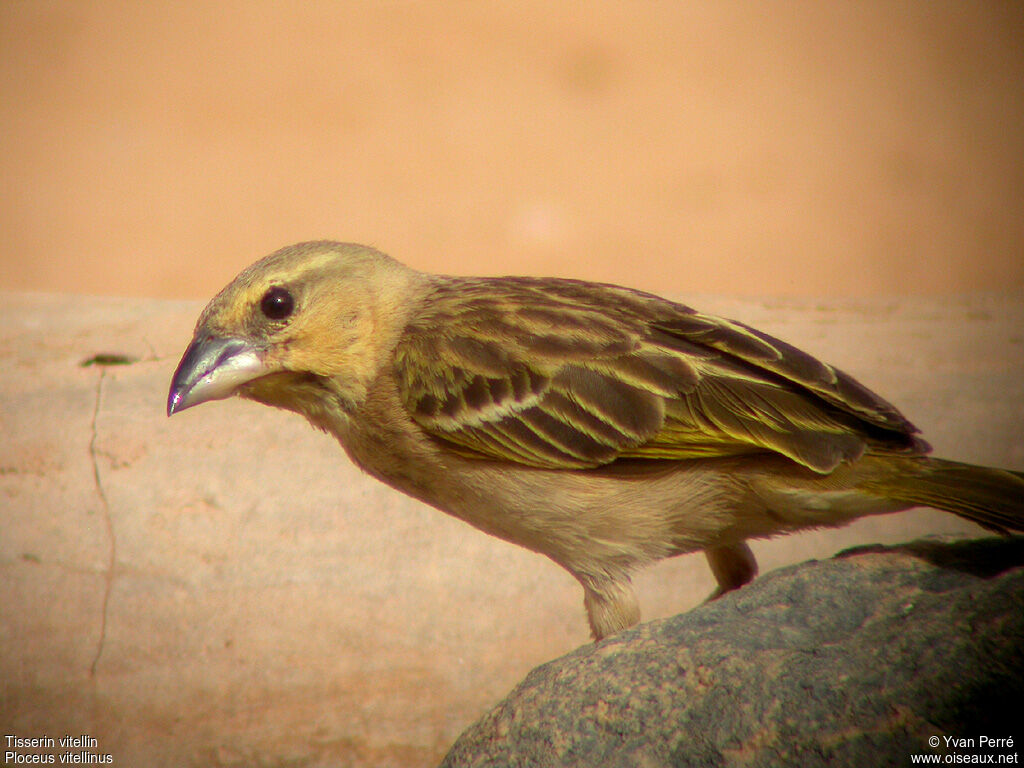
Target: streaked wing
[[564, 374]]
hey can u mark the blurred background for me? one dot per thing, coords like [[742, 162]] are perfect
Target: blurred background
[[798, 148]]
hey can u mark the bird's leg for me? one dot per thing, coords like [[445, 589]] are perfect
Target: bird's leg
[[733, 566], [611, 606]]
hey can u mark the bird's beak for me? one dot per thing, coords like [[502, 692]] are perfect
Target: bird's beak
[[213, 368]]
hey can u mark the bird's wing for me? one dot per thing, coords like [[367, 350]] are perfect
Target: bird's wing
[[565, 374]]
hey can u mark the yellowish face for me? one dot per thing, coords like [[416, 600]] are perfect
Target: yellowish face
[[306, 312]]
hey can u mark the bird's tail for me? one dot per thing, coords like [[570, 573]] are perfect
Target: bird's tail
[[993, 498]]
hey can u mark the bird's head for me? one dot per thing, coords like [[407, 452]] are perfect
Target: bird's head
[[311, 318]]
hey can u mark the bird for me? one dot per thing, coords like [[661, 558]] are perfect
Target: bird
[[603, 427]]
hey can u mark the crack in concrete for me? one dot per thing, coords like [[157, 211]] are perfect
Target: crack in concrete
[[108, 576]]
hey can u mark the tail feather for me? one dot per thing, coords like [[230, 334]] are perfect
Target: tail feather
[[993, 498]]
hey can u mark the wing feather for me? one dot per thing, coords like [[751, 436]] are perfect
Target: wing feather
[[561, 407], [570, 375]]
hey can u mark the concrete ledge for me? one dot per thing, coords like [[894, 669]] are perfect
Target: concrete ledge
[[226, 589]]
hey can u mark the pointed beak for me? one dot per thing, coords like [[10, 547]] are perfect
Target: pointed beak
[[212, 368]]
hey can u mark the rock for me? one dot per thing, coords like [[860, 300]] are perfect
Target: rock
[[853, 661], [225, 589]]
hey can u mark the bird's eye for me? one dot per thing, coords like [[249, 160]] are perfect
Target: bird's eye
[[277, 303]]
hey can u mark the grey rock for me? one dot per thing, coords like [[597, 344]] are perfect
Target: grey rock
[[852, 661]]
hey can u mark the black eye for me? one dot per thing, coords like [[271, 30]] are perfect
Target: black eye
[[277, 303]]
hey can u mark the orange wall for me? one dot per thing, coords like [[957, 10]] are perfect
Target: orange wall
[[740, 148]]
